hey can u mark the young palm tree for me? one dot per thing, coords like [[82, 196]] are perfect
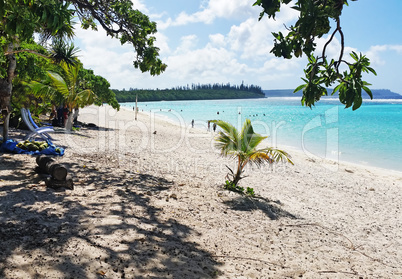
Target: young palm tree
[[244, 147]]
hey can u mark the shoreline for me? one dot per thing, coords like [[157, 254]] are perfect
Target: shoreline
[[153, 204], [285, 147]]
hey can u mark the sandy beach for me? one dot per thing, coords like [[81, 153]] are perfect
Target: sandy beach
[[148, 202]]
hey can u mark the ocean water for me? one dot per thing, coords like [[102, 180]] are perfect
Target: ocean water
[[371, 135]]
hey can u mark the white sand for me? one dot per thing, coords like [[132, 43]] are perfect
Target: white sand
[[153, 205]]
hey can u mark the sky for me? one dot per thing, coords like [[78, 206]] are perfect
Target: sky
[[222, 41]]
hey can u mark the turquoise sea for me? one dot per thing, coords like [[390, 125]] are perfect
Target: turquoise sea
[[371, 135]]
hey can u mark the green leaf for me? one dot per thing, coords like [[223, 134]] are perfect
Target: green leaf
[[368, 91], [354, 56], [300, 87], [357, 102], [371, 70], [336, 89]]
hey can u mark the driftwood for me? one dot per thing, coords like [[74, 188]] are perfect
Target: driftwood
[[56, 184], [47, 165], [56, 175]]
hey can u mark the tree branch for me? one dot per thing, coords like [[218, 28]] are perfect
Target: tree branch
[[329, 41], [342, 46]]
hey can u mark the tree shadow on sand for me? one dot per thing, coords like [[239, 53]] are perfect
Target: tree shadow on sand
[[105, 228], [271, 208]]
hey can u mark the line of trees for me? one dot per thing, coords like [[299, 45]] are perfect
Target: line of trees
[[23, 60], [219, 86], [191, 92]]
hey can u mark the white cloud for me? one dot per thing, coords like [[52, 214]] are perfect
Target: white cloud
[[106, 56], [189, 63], [184, 18], [206, 65], [242, 53], [217, 40], [162, 42], [379, 54], [187, 43], [213, 9], [231, 9], [237, 50], [139, 5], [162, 25], [397, 48], [251, 38]]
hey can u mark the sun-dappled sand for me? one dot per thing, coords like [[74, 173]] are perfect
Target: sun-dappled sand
[[148, 202]]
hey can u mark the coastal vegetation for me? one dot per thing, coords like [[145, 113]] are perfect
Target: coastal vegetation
[[243, 147], [55, 78], [65, 87], [193, 92], [53, 20], [313, 22]]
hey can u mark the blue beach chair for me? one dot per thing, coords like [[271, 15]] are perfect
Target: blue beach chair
[[35, 130]]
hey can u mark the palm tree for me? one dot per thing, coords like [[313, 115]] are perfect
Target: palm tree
[[65, 87], [62, 51], [243, 146], [70, 86]]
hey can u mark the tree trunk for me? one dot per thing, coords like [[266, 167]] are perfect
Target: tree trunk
[[75, 118], [239, 171], [6, 87], [236, 179], [69, 122]]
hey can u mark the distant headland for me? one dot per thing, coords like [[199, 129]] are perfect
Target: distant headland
[[193, 92]]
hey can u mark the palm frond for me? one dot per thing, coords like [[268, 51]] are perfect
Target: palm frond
[[228, 139], [278, 155], [259, 157], [249, 139], [62, 52], [40, 89], [86, 97], [58, 82], [224, 143], [70, 74], [247, 132]]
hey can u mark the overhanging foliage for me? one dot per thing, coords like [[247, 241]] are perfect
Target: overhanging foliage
[[314, 22]]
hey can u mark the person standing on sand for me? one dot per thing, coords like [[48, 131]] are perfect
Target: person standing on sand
[[214, 127], [209, 125], [192, 123]]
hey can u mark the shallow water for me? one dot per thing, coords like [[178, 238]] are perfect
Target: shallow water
[[370, 135]]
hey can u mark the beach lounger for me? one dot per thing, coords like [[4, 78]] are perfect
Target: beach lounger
[[35, 130]]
